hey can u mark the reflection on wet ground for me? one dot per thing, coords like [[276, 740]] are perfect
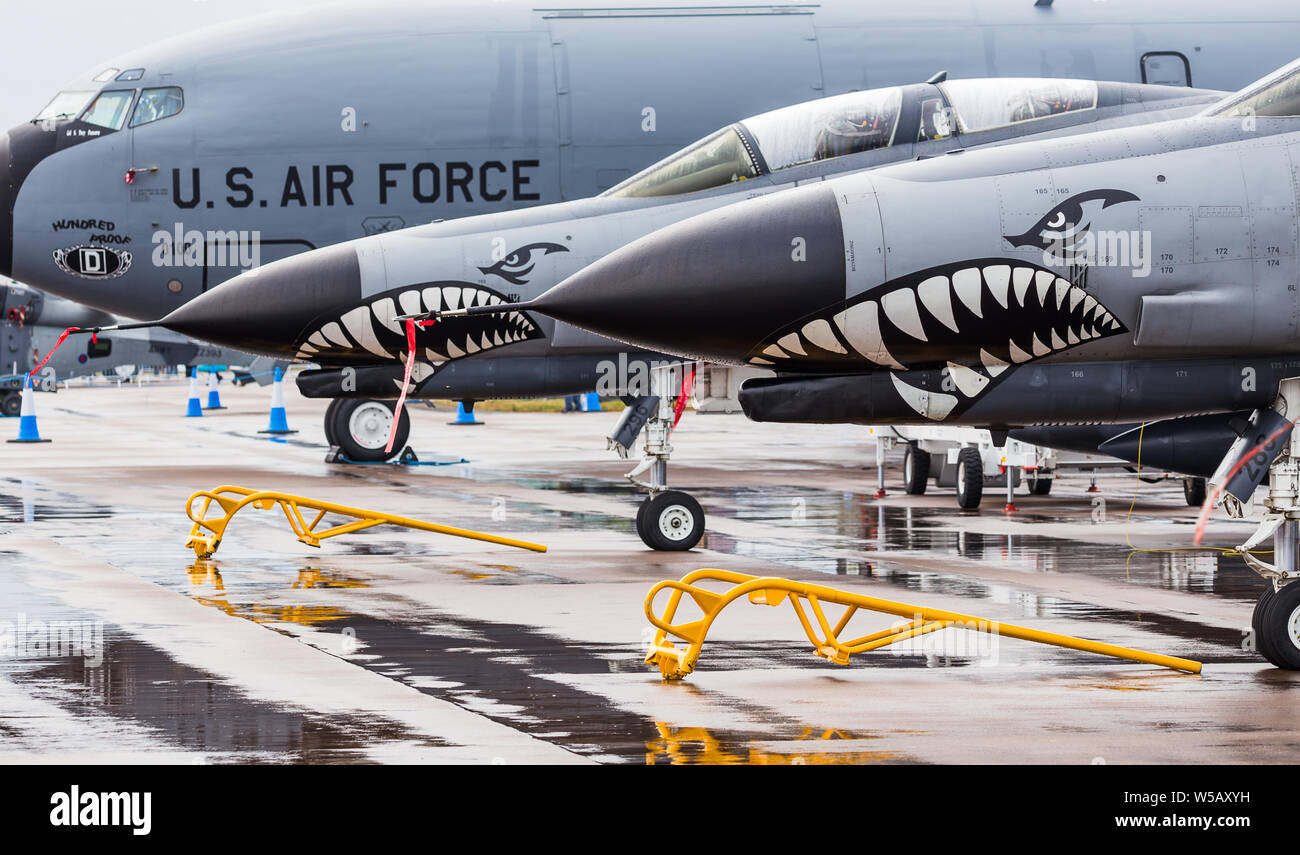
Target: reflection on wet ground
[[517, 674], [120, 679], [689, 746], [197, 711]]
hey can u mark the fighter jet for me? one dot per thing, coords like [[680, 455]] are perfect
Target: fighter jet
[[342, 307], [31, 324], [153, 177], [1136, 274]]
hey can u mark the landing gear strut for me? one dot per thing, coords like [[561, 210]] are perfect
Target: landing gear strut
[[668, 520], [1276, 623]]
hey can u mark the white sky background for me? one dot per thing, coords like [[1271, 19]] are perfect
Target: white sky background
[[47, 42]]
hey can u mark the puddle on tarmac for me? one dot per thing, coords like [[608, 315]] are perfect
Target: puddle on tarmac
[[89, 668], [23, 501]]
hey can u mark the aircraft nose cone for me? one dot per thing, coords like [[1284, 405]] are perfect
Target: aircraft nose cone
[[713, 286], [266, 309]]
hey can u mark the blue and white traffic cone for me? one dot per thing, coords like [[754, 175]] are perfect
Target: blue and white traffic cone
[[591, 403], [279, 423], [27, 431], [464, 416], [214, 398], [194, 408]]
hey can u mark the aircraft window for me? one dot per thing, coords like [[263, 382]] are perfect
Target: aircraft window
[[1279, 96], [105, 75], [827, 127], [984, 104], [718, 159], [157, 104], [109, 109], [64, 106], [936, 120], [131, 74], [97, 349]]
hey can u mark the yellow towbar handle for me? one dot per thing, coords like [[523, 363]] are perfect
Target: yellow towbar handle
[[807, 599], [230, 500]]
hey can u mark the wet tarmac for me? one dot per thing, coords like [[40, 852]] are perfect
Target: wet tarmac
[[388, 645]]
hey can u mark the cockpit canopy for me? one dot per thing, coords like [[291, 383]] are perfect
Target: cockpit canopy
[[1277, 95], [981, 105], [852, 123], [110, 108]]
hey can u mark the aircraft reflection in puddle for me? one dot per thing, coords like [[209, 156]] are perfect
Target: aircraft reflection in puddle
[[681, 746]]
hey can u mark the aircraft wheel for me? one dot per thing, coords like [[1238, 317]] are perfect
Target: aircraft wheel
[[916, 470], [1277, 626], [970, 478], [361, 429], [671, 521], [1194, 491], [12, 405], [330, 436], [1039, 486]]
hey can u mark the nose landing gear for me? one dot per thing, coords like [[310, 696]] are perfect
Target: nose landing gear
[[1275, 625], [668, 520]]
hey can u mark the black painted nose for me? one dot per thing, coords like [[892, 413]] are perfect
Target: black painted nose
[[714, 286], [268, 309]]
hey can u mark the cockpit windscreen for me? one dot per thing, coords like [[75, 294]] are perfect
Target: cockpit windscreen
[[804, 133], [1276, 95]]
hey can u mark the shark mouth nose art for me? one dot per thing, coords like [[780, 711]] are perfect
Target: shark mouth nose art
[[373, 329], [977, 318]]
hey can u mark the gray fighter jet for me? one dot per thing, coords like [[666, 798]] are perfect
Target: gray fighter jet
[[342, 307], [1138, 274], [31, 324], [157, 175]]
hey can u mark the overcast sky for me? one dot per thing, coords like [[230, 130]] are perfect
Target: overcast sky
[[48, 41]]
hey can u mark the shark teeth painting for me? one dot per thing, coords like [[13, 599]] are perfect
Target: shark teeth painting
[[972, 321], [373, 329]]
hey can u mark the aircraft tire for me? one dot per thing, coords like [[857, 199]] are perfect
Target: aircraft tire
[[970, 478], [1276, 623], [12, 405], [329, 420], [916, 470], [672, 521], [1262, 644], [1039, 486], [640, 521], [1194, 491], [361, 429]]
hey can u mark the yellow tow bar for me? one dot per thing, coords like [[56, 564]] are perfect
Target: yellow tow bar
[[675, 663], [232, 499]]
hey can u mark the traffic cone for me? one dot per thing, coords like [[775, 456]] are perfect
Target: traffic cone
[[279, 423], [27, 431], [591, 403], [464, 416], [214, 398], [194, 409]]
